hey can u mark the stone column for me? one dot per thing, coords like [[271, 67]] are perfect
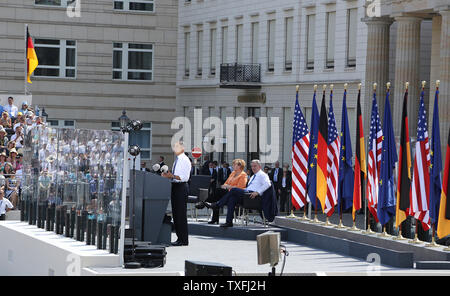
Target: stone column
[[444, 89], [407, 70], [435, 71], [377, 63]]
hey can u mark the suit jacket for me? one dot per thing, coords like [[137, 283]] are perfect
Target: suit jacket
[[288, 181], [269, 204], [221, 178], [279, 177], [205, 168]]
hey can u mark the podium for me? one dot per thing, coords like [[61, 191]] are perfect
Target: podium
[[151, 201]]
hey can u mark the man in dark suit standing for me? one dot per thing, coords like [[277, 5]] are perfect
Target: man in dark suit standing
[[285, 189], [223, 173], [205, 167], [275, 176], [213, 173]]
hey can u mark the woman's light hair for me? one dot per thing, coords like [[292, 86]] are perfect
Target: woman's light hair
[[239, 162]]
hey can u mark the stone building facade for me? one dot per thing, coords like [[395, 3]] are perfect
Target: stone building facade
[[92, 81]]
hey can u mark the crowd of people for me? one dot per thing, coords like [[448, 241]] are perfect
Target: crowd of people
[[13, 124]]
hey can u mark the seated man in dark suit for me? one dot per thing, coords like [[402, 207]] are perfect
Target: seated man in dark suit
[[256, 186]]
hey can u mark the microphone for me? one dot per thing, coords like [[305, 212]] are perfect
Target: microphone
[[156, 167], [164, 169]]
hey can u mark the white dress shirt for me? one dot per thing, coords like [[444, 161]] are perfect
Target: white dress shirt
[[259, 182], [3, 204], [181, 168], [11, 109], [275, 175]]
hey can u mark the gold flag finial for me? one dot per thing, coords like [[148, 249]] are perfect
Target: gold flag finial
[[315, 87], [324, 87], [375, 86], [407, 85], [297, 88], [345, 86], [388, 86], [423, 84], [331, 87], [437, 83], [359, 86]]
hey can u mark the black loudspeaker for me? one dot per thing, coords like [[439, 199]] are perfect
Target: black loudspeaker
[[196, 268]]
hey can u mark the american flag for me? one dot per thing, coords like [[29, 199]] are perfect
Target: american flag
[[420, 187], [300, 149], [333, 161], [374, 158]]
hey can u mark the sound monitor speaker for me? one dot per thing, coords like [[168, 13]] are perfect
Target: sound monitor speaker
[[192, 268], [268, 244]]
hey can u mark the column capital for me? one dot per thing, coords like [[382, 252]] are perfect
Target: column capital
[[445, 12], [384, 20], [402, 17]]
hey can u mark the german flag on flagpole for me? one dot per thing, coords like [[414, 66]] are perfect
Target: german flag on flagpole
[[32, 60], [360, 160], [322, 154], [404, 167], [444, 211]]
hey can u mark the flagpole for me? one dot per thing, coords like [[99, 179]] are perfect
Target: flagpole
[[433, 225], [26, 61], [416, 237], [384, 233], [340, 225], [368, 229], [292, 215]]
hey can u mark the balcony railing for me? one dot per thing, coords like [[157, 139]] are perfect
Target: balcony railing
[[240, 75]]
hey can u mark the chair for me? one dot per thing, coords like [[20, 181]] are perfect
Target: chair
[[266, 204], [198, 191]]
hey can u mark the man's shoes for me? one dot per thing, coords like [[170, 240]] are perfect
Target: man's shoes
[[200, 206], [226, 225], [178, 244], [213, 205], [213, 222]]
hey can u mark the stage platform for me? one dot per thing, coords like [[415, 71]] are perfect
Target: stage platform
[[356, 244], [249, 232], [28, 250]]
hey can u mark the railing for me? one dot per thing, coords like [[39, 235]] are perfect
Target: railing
[[242, 73]]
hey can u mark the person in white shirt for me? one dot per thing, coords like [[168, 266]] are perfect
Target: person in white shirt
[[256, 186], [179, 177], [5, 205], [18, 137], [11, 108]]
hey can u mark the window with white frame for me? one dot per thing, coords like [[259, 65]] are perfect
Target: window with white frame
[[142, 138], [61, 123], [135, 5], [132, 61], [61, 3], [352, 26], [271, 45], [57, 58], [199, 53], [255, 33], [224, 44], [239, 44], [187, 53], [311, 35], [331, 27], [288, 44], [212, 54]]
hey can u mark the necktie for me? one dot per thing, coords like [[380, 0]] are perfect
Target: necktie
[[275, 175], [253, 178], [174, 165]]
